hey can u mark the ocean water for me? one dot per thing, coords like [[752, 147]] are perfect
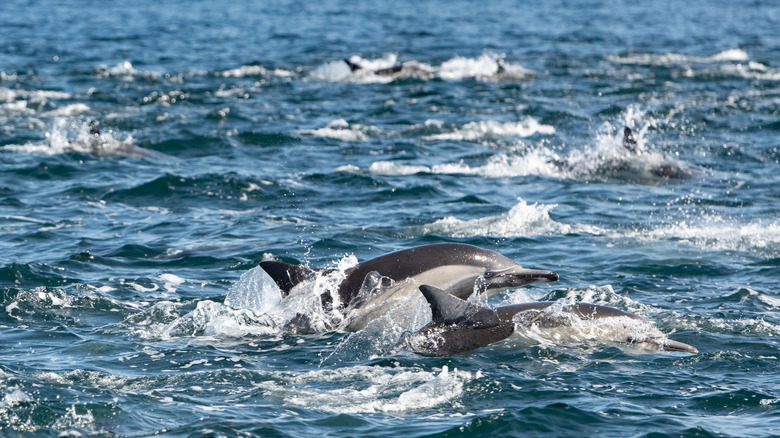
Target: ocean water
[[153, 153]]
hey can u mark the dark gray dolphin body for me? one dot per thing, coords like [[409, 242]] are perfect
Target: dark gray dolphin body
[[388, 280], [459, 326], [389, 71]]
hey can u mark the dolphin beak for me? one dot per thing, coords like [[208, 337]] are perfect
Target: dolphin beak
[[517, 276], [670, 345]]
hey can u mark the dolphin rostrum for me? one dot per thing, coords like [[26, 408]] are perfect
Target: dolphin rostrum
[[459, 326], [374, 287]]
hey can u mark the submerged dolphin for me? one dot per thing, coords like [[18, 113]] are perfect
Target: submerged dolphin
[[98, 145], [459, 326], [374, 287]]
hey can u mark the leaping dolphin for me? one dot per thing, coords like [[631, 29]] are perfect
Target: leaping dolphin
[[374, 287], [459, 326]]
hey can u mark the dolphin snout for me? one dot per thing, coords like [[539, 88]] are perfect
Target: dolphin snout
[[518, 276]]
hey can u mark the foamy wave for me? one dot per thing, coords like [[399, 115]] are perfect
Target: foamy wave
[[363, 389], [521, 220], [734, 62], [125, 70], [67, 110], [730, 55], [752, 70], [9, 95], [498, 166], [390, 168], [243, 71], [342, 130], [491, 129], [715, 232]]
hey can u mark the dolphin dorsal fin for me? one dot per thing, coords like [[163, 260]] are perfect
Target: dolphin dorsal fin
[[286, 275], [629, 142], [447, 308], [353, 66]]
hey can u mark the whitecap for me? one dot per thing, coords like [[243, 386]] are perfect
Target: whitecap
[[243, 71], [390, 168], [67, 110], [342, 130], [712, 231], [490, 129]]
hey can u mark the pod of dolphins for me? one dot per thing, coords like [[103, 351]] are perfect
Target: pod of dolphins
[[446, 275]]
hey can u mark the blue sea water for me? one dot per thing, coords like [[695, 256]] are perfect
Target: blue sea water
[[232, 133]]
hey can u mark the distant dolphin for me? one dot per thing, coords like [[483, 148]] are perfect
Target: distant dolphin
[[374, 287], [459, 326], [98, 145], [389, 71], [405, 70], [392, 71], [634, 161]]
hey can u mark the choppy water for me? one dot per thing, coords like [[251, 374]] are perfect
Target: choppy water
[[232, 134]]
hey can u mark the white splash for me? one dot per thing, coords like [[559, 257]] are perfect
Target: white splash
[[254, 306], [335, 71], [461, 67], [218, 320], [255, 291], [522, 220]]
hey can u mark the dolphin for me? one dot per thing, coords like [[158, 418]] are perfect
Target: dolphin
[[633, 161], [459, 326], [100, 145], [374, 287], [389, 71], [410, 70]]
